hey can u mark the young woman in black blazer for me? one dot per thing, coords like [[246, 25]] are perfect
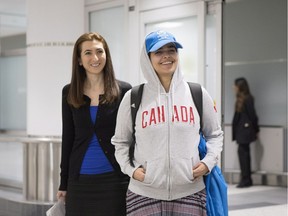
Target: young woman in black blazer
[[91, 180], [244, 128]]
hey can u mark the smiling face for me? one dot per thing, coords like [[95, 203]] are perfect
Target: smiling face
[[92, 57], [165, 60]]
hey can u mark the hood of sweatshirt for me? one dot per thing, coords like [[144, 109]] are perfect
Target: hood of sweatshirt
[[153, 81]]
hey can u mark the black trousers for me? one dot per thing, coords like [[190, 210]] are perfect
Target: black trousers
[[97, 195], [245, 162]]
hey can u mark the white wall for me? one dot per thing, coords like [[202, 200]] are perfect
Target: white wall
[[50, 38]]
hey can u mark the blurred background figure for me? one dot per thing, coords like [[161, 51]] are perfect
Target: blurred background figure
[[245, 128]]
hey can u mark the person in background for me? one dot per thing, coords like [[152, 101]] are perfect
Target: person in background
[[167, 173], [245, 128], [91, 180]]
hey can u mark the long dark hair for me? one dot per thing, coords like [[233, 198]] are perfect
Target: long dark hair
[[76, 91], [243, 92]]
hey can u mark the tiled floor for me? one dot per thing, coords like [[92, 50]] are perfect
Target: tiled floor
[[252, 201], [257, 201]]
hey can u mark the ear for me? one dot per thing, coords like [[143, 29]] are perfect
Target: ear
[[80, 62]]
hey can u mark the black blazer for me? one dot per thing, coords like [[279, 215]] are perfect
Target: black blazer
[[78, 129], [245, 124]]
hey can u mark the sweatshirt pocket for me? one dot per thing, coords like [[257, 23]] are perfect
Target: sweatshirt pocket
[[155, 175], [181, 170]]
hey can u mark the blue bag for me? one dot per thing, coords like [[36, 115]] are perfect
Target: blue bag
[[216, 187]]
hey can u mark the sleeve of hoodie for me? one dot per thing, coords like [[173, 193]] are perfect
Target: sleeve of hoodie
[[212, 131], [122, 138]]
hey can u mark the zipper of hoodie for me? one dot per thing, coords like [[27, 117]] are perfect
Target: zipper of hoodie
[[168, 146]]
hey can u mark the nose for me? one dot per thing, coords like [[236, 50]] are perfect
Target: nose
[[95, 57], [165, 54]]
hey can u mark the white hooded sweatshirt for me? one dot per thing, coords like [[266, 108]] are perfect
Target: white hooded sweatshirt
[[167, 137]]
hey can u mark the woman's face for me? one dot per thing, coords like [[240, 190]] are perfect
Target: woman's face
[[165, 60], [92, 57], [236, 89]]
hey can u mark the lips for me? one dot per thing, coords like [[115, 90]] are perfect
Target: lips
[[95, 65], [167, 62]]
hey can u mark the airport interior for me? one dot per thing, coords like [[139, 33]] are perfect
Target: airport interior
[[222, 40]]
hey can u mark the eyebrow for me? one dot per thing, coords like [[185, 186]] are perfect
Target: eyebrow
[[89, 50]]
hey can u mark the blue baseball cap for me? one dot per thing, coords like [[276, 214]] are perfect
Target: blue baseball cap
[[155, 40]]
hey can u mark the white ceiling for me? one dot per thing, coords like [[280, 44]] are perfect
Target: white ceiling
[[12, 17]]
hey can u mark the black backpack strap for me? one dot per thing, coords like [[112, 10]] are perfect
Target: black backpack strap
[[136, 96], [196, 92]]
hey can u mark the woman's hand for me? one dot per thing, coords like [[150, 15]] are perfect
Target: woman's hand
[[139, 174], [61, 195], [200, 170]]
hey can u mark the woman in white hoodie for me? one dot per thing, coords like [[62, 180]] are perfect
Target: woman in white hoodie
[[167, 173]]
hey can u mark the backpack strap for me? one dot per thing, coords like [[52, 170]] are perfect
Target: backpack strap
[[196, 92], [136, 96]]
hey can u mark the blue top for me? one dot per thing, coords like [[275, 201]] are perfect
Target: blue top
[[95, 161]]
